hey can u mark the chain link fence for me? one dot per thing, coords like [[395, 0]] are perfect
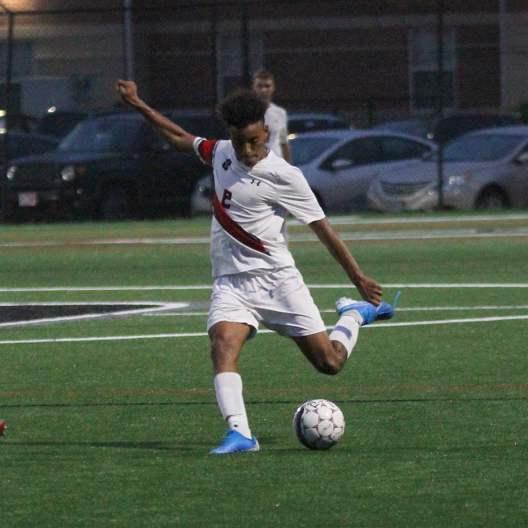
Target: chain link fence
[[371, 61]]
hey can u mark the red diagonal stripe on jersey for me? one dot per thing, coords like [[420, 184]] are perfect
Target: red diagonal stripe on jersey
[[236, 230]]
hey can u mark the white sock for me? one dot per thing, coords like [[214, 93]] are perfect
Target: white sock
[[346, 330], [228, 388]]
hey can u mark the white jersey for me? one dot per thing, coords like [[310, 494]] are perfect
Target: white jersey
[[250, 204], [276, 119]]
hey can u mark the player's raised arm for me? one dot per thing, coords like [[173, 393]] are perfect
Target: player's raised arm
[[173, 133], [369, 289]]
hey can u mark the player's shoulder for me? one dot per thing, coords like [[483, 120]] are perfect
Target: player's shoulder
[[223, 146]]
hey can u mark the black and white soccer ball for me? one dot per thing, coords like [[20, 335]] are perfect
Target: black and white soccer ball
[[318, 424]]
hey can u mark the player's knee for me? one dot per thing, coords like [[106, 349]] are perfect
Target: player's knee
[[221, 343], [331, 368], [330, 363], [224, 345]]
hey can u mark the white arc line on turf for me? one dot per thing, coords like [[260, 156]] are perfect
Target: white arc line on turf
[[204, 334], [91, 316]]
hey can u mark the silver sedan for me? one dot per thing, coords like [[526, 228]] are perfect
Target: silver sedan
[[486, 169], [340, 165]]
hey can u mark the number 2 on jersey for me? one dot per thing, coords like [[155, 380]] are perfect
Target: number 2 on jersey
[[225, 199]]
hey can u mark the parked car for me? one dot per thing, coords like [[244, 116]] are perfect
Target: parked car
[[17, 122], [485, 169], [414, 126], [59, 123], [442, 130], [299, 122], [339, 165], [24, 144], [111, 166], [458, 124], [201, 195]]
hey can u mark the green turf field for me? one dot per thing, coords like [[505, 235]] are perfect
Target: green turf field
[[111, 420]]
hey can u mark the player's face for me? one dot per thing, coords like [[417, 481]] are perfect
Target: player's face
[[250, 143], [264, 88]]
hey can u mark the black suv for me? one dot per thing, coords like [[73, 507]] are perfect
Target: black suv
[[111, 166]]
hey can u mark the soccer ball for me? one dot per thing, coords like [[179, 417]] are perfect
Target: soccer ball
[[318, 424]]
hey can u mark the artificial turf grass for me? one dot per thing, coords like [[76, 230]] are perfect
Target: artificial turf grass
[[113, 433]]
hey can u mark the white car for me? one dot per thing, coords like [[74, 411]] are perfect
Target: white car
[[201, 196], [487, 169], [339, 165]]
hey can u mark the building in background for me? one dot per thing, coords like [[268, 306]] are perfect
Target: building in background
[[369, 59]]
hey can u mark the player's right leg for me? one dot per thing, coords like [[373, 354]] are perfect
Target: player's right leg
[[354, 314], [328, 353]]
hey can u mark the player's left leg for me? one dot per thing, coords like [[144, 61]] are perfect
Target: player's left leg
[[227, 340], [230, 324]]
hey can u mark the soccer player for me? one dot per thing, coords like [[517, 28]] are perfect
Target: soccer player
[[255, 277], [276, 117], [3, 427]]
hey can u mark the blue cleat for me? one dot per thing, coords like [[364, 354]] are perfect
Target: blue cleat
[[385, 310], [234, 442], [368, 311]]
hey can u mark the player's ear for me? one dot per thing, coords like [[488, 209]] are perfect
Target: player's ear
[[266, 129]]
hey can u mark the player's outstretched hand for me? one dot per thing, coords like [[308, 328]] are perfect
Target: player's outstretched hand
[[370, 290], [128, 92]]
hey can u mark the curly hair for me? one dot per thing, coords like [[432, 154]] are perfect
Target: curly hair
[[242, 108]]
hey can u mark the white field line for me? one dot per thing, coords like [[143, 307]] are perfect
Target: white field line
[[357, 220], [420, 235], [204, 334], [432, 285], [292, 238], [427, 285], [335, 220], [415, 309]]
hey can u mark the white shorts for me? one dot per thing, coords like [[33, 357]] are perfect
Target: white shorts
[[278, 299]]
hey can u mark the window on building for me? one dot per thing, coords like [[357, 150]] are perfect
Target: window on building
[[230, 60], [424, 68]]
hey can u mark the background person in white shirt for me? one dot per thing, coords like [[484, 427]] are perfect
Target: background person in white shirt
[[276, 117], [255, 277]]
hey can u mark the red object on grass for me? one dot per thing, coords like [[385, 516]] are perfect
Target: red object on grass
[[3, 427]]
